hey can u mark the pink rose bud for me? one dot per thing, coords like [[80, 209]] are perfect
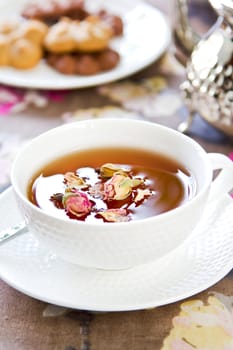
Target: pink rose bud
[[77, 203]]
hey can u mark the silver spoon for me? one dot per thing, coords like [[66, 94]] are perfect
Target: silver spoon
[[13, 231]]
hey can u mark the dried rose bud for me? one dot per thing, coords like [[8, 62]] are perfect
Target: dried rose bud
[[115, 215], [77, 203], [120, 187], [74, 181], [107, 170]]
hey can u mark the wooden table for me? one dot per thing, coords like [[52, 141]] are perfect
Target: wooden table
[[23, 326]]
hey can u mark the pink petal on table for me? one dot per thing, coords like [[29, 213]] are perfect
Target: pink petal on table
[[6, 108], [56, 96], [10, 94]]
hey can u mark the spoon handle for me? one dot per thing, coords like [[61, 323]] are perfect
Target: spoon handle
[[13, 231]]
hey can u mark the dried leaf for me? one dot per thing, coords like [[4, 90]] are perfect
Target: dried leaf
[[107, 170], [55, 311]]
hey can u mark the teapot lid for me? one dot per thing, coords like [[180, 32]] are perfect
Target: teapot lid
[[224, 8]]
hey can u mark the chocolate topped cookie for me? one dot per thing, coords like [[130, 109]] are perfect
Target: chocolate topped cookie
[[52, 10]]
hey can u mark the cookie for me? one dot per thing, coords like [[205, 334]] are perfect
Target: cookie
[[67, 35], [59, 38], [65, 64], [7, 26], [108, 59], [113, 21], [4, 50], [23, 54], [33, 30], [84, 63], [52, 10]]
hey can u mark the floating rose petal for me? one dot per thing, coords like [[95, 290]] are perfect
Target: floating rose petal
[[142, 194], [97, 191], [73, 180], [77, 203], [115, 215], [108, 170]]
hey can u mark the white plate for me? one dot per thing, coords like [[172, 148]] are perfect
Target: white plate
[[202, 261], [146, 37]]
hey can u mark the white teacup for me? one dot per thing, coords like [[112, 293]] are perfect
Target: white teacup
[[125, 244]]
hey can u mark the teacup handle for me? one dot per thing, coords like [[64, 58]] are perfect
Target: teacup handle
[[223, 183]]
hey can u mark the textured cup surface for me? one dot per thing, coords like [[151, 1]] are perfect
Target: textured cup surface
[[112, 245]]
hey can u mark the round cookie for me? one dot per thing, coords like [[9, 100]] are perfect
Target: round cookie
[[59, 38], [108, 59], [67, 35], [113, 21], [52, 10], [65, 64], [87, 65], [4, 50], [9, 26], [84, 63], [23, 54], [91, 35], [33, 30]]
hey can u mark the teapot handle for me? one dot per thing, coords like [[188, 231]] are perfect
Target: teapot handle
[[183, 31]]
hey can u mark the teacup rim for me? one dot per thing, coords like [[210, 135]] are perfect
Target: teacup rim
[[81, 123]]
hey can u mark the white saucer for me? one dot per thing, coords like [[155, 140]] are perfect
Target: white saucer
[[202, 261]]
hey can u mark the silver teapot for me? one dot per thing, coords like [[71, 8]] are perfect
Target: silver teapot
[[208, 88]]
